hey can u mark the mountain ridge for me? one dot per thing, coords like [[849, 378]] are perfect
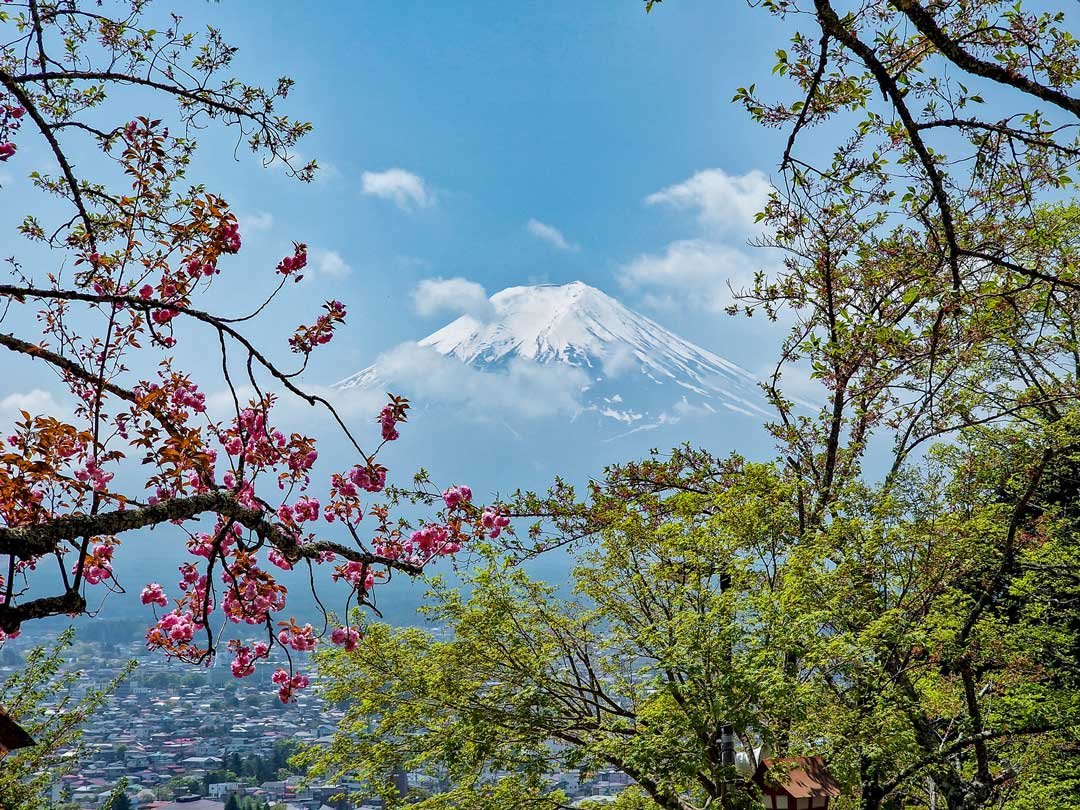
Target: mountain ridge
[[638, 371]]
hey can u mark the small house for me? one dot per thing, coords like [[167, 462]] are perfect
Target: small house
[[795, 783]]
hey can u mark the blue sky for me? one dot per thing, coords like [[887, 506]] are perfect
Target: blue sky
[[502, 143], [506, 112]]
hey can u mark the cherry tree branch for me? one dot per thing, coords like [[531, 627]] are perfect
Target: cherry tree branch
[[43, 126], [145, 305], [26, 542], [966, 61], [832, 24], [75, 370]]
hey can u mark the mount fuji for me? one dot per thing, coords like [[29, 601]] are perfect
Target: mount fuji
[[625, 367]]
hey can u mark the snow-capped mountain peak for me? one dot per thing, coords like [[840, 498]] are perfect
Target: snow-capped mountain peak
[[636, 369]]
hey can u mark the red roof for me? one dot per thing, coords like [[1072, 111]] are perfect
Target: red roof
[[803, 777]]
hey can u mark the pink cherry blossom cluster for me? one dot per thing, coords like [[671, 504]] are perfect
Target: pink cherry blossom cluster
[[197, 597], [454, 496], [154, 594], [291, 265], [197, 268], [230, 236], [388, 420], [370, 479], [301, 639], [423, 545], [175, 396], [243, 663], [91, 473], [97, 565], [175, 627], [163, 315], [171, 288], [357, 574], [188, 396], [288, 685], [347, 637], [202, 544], [302, 462], [345, 490], [493, 522], [250, 594], [305, 508], [250, 438], [433, 540], [344, 501], [279, 559], [10, 115], [306, 338]]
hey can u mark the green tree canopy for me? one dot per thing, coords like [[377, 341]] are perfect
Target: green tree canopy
[[922, 637], [44, 699]]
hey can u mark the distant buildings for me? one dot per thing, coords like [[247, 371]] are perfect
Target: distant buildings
[[170, 732]]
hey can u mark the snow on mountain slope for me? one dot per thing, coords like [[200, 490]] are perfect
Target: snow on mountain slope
[[636, 370]]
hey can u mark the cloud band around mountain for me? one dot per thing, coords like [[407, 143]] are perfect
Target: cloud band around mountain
[[454, 296]]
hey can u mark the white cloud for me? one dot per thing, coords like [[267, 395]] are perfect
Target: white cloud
[[523, 388], [694, 271], [36, 402], [702, 272], [220, 404], [617, 362], [458, 296], [256, 221], [550, 234], [329, 263], [406, 190], [326, 173], [722, 202]]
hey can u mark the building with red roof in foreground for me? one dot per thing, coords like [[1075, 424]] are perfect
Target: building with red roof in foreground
[[796, 783]]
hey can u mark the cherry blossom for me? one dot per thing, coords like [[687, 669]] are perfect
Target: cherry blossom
[[454, 496], [494, 522], [244, 501], [154, 594], [288, 684], [347, 637], [291, 264]]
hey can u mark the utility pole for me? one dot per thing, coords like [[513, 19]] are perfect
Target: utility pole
[[727, 731]]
